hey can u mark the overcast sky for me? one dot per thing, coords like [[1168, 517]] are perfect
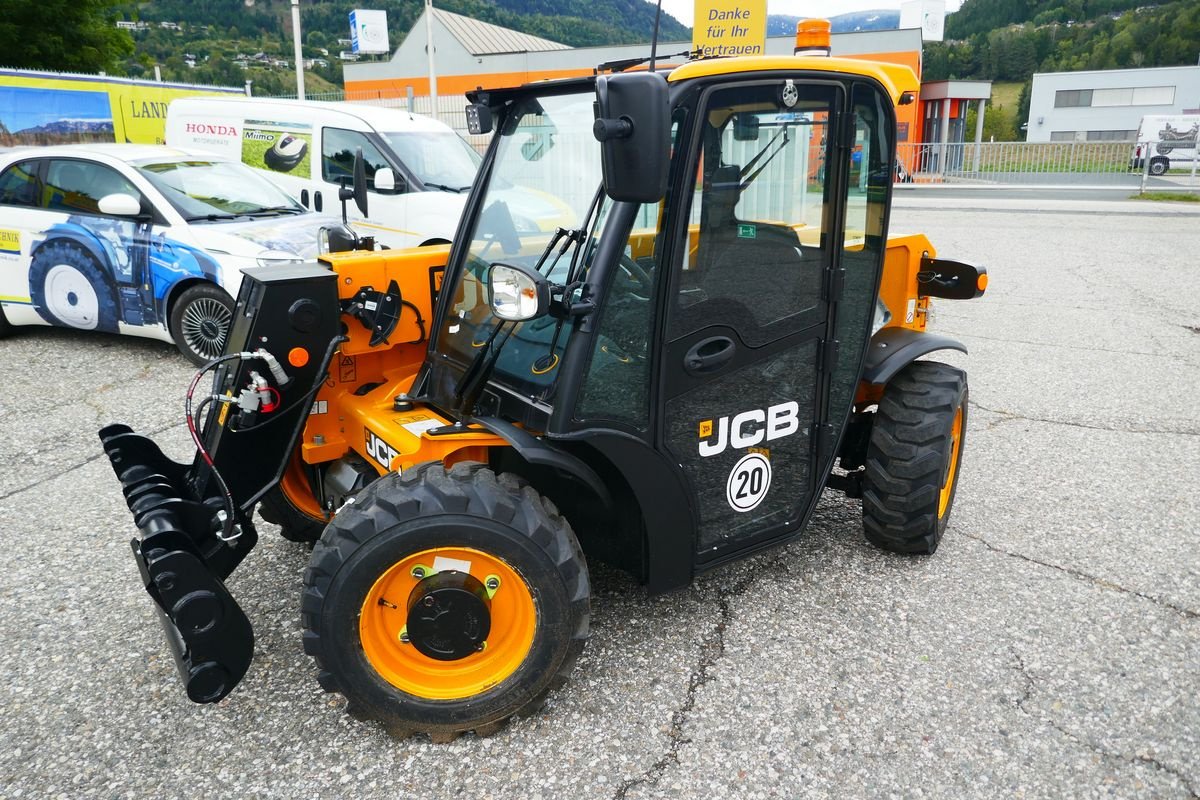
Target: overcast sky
[[683, 10]]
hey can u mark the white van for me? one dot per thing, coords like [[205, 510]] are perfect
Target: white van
[[1169, 140], [307, 148]]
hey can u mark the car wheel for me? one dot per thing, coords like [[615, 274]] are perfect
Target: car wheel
[[200, 321], [69, 288], [1158, 166]]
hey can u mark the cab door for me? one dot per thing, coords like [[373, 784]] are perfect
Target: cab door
[[748, 308]]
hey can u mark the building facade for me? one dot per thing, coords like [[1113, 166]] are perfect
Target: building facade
[[1107, 105]]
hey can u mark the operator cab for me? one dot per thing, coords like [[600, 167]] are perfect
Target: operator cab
[[704, 333]]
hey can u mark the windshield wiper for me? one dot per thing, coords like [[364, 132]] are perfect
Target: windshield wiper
[[445, 188], [211, 217], [274, 210]]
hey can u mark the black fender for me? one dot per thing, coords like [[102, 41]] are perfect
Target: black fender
[[893, 349], [544, 454], [81, 238]]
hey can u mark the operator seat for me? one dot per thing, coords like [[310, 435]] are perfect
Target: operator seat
[[738, 259]]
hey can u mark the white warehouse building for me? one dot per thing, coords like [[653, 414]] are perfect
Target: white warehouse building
[[1107, 105]]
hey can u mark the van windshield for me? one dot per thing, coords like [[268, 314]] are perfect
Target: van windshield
[[439, 160]]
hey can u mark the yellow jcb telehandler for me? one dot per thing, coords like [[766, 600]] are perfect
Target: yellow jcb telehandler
[[671, 306]]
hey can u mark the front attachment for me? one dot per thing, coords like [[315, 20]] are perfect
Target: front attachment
[[194, 521], [183, 562]]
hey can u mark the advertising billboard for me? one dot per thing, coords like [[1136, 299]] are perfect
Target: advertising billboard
[[39, 108], [368, 31]]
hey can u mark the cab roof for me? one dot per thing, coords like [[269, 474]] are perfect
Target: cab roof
[[896, 78]]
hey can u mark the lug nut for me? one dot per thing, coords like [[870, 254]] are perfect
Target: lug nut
[[418, 572], [493, 583], [403, 637]]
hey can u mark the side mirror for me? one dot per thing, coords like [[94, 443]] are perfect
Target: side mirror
[[359, 191], [633, 126], [517, 293], [385, 181], [120, 204]]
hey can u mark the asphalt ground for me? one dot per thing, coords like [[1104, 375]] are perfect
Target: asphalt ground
[[1049, 648]]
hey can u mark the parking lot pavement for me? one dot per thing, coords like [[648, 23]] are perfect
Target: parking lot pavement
[[1048, 649]]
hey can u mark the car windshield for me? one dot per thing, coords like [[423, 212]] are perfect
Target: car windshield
[[545, 180], [217, 190], [439, 160]]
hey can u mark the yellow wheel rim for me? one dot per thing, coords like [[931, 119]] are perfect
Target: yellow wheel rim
[[514, 621], [952, 469], [296, 489]]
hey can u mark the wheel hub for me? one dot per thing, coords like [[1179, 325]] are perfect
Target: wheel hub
[[449, 616]]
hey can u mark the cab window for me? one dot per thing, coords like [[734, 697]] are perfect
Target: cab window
[[338, 147]]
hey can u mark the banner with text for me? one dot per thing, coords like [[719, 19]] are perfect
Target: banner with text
[[730, 27]]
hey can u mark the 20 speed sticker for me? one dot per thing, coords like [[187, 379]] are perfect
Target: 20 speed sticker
[[748, 482]]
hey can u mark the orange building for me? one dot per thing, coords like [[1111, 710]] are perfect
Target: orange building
[[469, 54]]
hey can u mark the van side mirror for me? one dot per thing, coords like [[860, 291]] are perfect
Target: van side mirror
[[633, 126], [357, 191], [385, 180]]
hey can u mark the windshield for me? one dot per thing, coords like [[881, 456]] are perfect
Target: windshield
[[546, 177], [217, 190], [439, 160]]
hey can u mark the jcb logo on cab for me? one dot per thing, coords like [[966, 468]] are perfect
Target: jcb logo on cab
[[749, 428]]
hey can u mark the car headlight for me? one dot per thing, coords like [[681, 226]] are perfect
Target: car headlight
[[275, 258]]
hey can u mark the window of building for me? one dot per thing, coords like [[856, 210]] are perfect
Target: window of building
[[1062, 136], [1102, 98], [1154, 96], [1111, 136], [1072, 98]]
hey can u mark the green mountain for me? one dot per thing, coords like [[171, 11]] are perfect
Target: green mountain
[[1012, 39]]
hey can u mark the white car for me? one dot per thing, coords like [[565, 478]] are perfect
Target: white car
[[139, 239]]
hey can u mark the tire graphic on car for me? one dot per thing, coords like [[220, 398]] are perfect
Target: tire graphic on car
[[287, 152], [69, 288]]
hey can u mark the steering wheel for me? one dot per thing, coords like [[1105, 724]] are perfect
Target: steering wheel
[[637, 275]]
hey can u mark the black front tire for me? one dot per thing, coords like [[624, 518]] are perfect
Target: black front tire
[[5, 325], [1159, 166], [426, 507], [70, 289], [200, 322], [914, 458]]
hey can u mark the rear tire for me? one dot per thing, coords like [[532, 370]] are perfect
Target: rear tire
[[1159, 166], [5, 325], [360, 582], [914, 458], [200, 322]]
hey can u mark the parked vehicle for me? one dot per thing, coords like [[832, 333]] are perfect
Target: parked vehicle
[[1168, 140], [139, 239], [418, 169]]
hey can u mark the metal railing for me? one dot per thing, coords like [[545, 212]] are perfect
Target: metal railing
[[1073, 164]]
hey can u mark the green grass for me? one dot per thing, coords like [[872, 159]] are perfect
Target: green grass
[[1006, 94], [1180, 197]]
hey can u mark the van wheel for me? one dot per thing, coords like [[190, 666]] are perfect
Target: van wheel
[[914, 457], [69, 288], [5, 325], [1159, 166], [200, 321]]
